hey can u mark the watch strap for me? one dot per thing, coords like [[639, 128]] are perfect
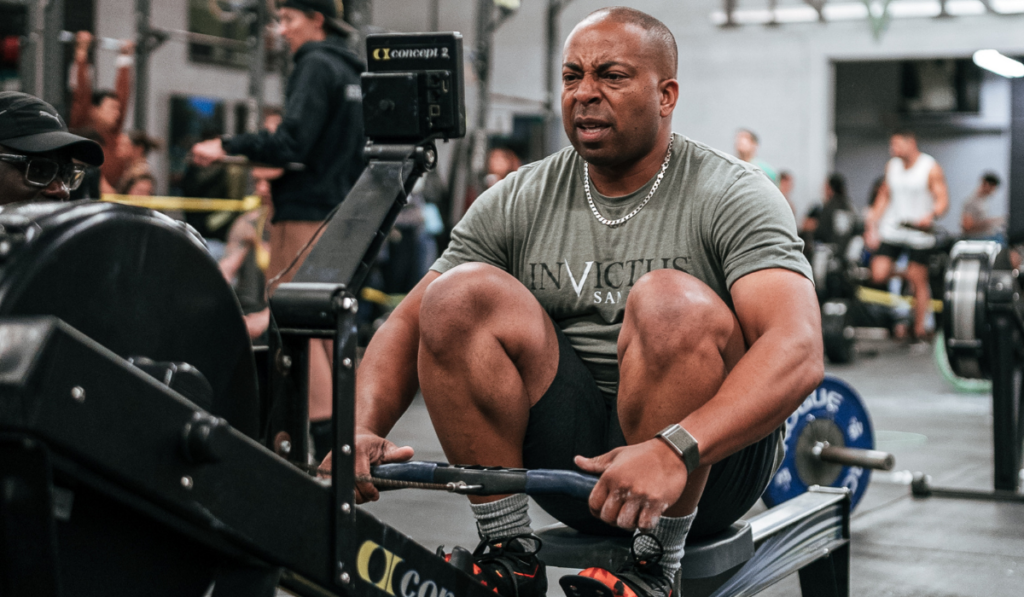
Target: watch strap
[[683, 444]]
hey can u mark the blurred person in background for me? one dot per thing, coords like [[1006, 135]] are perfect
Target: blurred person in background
[[786, 184], [833, 221], [247, 257], [139, 147], [322, 129], [501, 161], [90, 187], [140, 184], [902, 219], [209, 181], [39, 159], [975, 220], [104, 110], [747, 145]]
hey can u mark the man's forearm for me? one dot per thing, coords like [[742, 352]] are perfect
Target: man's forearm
[[766, 386], [82, 98], [778, 312], [387, 379], [123, 89]]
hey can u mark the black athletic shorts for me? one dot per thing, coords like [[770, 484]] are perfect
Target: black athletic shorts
[[893, 251], [575, 417]]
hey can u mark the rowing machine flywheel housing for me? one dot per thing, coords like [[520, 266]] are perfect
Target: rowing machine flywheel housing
[[139, 283]]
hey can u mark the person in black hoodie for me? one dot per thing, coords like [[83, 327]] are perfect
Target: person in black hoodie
[[322, 129]]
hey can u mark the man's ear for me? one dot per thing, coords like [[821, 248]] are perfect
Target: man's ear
[[668, 89]]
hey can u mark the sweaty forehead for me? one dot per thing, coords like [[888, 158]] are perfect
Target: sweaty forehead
[[605, 40]]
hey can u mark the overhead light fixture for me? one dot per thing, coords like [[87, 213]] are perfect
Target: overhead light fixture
[[858, 10], [1001, 65]]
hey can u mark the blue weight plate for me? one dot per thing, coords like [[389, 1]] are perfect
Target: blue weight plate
[[834, 399]]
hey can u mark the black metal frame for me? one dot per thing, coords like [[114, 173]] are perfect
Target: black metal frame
[[315, 305], [999, 355], [174, 475]]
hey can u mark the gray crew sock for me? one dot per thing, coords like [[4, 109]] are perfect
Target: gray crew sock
[[506, 517], [671, 532]]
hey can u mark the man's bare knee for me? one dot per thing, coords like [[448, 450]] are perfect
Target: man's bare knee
[[476, 298], [458, 302], [476, 313], [674, 313]]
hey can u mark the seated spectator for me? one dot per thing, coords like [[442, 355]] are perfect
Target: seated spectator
[[39, 159], [975, 220], [832, 221], [139, 146], [139, 185]]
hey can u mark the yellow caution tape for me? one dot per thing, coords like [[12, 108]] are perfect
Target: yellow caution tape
[[376, 296], [881, 297], [186, 203]]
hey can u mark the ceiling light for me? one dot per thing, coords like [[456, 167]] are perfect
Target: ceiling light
[[1001, 65]]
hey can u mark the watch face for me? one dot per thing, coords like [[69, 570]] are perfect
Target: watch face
[[683, 443]]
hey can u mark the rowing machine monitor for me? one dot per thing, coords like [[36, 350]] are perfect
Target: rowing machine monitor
[[414, 87]]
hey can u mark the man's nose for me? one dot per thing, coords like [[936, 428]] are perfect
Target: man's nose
[[587, 90], [57, 190]]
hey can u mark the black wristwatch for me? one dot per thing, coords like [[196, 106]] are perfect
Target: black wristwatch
[[682, 443]]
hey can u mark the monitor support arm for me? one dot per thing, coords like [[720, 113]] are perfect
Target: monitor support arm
[[321, 302]]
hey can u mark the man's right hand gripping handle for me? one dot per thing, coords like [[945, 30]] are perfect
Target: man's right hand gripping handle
[[371, 449]]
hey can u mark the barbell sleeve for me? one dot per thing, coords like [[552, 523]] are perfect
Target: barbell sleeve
[[873, 459]]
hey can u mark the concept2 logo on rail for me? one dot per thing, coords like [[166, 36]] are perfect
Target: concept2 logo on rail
[[411, 53], [379, 567]]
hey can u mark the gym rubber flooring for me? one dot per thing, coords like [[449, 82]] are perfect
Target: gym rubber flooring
[[902, 546]]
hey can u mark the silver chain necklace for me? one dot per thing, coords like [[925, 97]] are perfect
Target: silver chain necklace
[[636, 210]]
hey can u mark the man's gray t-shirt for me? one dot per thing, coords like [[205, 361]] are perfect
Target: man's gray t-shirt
[[713, 217]]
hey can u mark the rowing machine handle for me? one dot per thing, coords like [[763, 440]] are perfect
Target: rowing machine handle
[[492, 481]]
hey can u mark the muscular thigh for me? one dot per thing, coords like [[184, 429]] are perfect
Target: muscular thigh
[[477, 307]]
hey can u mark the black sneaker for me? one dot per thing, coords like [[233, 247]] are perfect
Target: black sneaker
[[638, 577], [509, 566]]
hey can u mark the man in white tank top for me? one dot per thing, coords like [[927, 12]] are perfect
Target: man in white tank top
[[913, 196]]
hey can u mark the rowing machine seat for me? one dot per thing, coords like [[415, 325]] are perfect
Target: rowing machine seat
[[705, 558]]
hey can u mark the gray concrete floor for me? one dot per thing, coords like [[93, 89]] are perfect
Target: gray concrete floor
[[902, 546]]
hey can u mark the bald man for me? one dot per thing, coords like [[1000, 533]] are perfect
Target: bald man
[[636, 306]]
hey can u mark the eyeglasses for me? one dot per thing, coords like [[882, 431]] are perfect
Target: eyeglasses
[[40, 172]]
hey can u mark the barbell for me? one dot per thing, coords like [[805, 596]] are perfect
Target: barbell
[[829, 442]]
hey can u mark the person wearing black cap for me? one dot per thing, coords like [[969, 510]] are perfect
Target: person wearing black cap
[[322, 128], [39, 159]]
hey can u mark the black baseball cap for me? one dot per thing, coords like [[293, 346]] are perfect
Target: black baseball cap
[[325, 7], [30, 125]]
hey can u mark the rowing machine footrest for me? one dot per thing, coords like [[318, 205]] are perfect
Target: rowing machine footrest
[[704, 558]]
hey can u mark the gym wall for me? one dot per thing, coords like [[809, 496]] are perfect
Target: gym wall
[[778, 81]]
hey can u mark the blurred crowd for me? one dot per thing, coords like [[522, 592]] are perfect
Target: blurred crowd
[[895, 242]]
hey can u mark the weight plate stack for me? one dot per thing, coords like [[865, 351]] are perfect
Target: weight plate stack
[[834, 414], [837, 331], [965, 321]]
